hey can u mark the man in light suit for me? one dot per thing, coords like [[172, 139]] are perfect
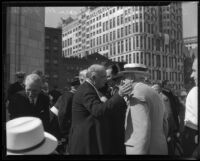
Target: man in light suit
[[144, 133], [90, 130]]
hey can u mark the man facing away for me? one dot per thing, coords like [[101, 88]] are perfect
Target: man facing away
[[144, 133], [90, 133]]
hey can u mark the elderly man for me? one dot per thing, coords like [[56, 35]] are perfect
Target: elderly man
[[31, 102], [190, 133], [89, 132], [144, 133]]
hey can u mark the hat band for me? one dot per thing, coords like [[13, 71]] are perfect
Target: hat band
[[27, 149], [136, 69]]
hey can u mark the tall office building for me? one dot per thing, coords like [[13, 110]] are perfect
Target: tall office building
[[151, 35], [24, 41], [53, 51]]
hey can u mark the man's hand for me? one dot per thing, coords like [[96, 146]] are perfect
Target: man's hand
[[125, 89]]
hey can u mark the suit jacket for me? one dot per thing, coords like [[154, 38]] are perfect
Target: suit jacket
[[20, 106], [90, 130], [117, 121], [55, 94], [14, 88], [64, 106], [175, 105], [144, 122]]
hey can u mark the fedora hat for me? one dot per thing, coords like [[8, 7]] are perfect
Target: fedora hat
[[135, 68], [26, 136]]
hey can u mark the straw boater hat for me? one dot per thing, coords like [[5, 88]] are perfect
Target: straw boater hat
[[135, 68], [26, 136]]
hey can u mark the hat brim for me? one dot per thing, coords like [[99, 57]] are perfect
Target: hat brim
[[46, 148], [138, 72]]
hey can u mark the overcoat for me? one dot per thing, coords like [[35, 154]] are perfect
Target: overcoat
[[90, 129]]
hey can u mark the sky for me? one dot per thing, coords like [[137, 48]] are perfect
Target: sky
[[53, 16]]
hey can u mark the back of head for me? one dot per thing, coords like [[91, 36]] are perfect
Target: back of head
[[94, 70]]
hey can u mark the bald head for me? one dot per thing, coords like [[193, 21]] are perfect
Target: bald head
[[97, 75]]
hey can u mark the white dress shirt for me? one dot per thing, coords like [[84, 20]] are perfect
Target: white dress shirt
[[191, 108]]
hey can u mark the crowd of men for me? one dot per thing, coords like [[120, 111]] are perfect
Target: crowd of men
[[106, 111]]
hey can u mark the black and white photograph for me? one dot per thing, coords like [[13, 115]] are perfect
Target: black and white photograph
[[100, 79]]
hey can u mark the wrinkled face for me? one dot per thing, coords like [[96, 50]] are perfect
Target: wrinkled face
[[100, 79], [32, 89], [195, 72], [82, 79], [109, 77]]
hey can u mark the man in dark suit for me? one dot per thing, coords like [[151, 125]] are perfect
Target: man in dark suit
[[55, 94], [63, 108], [117, 118], [90, 131], [33, 102], [173, 117], [17, 86]]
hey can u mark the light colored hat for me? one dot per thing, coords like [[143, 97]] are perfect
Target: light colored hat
[[26, 136], [135, 68]]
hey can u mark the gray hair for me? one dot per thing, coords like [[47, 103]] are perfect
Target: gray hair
[[94, 70], [33, 78], [83, 72]]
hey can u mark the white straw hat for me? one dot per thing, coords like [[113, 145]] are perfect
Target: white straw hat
[[26, 136], [135, 68]]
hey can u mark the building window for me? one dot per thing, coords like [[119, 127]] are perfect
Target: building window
[[126, 30], [114, 22], [118, 33], [113, 35], [141, 28], [137, 58], [118, 45], [136, 27], [133, 27], [137, 42], [129, 44], [129, 58], [114, 49], [122, 46], [122, 19], [141, 57], [134, 43], [126, 44], [122, 32]]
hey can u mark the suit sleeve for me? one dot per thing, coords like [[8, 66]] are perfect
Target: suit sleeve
[[94, 105], [142, 127], [13, 107]]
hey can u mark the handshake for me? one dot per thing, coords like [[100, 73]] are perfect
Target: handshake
[[125, 89]]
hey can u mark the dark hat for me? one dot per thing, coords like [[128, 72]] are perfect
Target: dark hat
[[20, 74], [75, 82]]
